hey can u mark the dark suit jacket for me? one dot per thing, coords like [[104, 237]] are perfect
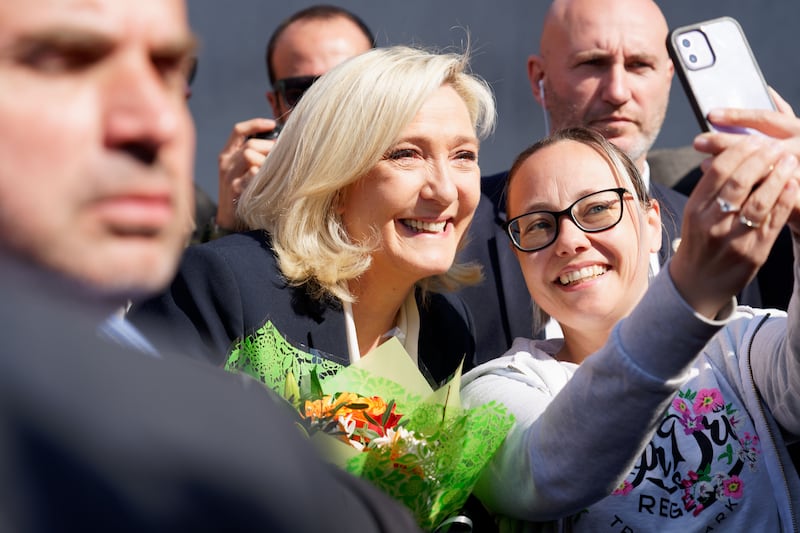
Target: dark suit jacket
[[500, 305], [228, 288], [204, 210], [94, 437], [672, 205], [670, 166]]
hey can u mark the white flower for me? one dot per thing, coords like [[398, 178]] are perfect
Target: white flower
[[388, 440], [349, 427], [402, 441], [347, 424]]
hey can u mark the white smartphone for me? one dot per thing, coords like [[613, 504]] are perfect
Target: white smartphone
[[717, 69]]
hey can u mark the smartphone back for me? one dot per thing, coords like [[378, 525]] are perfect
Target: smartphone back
[[717, 68]]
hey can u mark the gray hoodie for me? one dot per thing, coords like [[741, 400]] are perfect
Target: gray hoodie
[[677, 424]]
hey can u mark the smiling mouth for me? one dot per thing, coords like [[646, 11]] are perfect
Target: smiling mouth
[[420, 226], [584, 274]]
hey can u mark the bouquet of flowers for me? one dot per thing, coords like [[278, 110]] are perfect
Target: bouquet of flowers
[[380, 420]]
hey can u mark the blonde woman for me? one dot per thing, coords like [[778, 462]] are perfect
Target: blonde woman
[[355, 220]]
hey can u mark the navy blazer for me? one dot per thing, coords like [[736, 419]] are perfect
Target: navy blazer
[[500, 305], [672, 205], [228, 288]]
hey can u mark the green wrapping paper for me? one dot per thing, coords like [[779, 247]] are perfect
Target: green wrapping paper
[[431, 470]]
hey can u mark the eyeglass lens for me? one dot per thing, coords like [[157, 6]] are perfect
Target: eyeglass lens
[[595, 212]]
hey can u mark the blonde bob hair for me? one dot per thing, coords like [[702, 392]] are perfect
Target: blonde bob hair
[[624, 169], [340, 129]]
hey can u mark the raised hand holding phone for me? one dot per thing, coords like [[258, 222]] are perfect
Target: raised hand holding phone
[[239, 160]]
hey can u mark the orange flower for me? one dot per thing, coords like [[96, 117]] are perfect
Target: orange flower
[[346, 403], [353, 412], [324, 407], [374, 407]]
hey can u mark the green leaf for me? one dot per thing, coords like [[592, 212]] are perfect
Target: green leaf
[[370, 434], [291, 391], [387, 413], [316, 386], [370, 419]]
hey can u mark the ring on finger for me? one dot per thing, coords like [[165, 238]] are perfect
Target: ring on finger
[[725, 206], [749, 224]]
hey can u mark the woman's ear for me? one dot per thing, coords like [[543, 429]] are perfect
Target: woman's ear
[[654, 227], [337, 204]]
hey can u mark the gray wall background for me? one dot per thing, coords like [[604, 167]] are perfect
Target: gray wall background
[[232, 79]]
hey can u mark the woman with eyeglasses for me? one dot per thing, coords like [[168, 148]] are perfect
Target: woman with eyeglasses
[[665, 407], [355, 220]]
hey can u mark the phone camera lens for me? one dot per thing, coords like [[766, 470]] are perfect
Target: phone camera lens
[[686, 43], [692, 58]]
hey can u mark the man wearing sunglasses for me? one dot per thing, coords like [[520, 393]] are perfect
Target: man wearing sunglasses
[[302, 48]]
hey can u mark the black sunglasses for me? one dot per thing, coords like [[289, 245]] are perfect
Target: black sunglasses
[[292, 89], [592, 213]]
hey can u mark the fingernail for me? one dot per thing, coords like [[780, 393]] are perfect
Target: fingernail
[[701, 141], [716, 115]]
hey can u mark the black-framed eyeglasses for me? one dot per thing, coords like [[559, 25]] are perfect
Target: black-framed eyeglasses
[[292, 89], [592, 213]]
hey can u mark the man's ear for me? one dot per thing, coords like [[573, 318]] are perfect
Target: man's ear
[[536, 77], [272, 98]]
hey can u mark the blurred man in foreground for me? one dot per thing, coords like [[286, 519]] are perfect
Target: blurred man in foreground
[[96, 146]]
